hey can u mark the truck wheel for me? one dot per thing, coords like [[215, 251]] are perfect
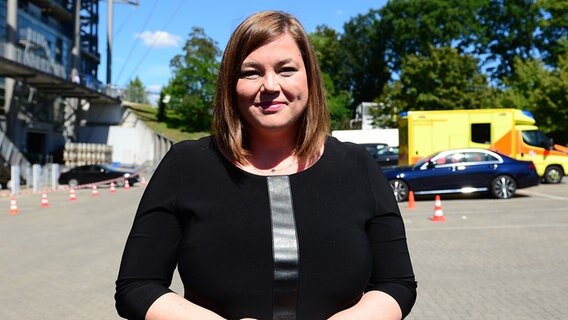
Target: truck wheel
[[503, 187], [400, 189], [553, 174]]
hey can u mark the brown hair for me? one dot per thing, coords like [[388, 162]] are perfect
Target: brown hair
[[229, 128]]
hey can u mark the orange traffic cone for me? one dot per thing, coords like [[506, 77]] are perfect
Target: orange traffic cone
[[72, 196], [411, 204], [438, 212], [13, 206], [143, 181], [112, 187], [126, 184], [44, 202], [94, 192]]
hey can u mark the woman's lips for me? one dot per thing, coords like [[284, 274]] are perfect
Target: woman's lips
[[271, 106]]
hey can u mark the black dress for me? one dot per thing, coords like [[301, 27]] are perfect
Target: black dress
[[302, 246]]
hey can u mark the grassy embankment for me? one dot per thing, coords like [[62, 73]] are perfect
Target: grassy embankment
[[169, 129]]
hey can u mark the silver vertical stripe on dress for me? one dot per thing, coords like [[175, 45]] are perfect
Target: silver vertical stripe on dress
[[285, 248]]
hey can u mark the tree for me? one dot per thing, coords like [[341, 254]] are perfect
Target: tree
[[328, 51], [510, 28], [192, 87], [412, 27], [135, 91], [338, 103], [365, 70], [442, 80], [552, 41], [543, 92], [390, 106], [161, 114], [327, 46]]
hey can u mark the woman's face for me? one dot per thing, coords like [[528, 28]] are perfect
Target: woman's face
[[272, 89]]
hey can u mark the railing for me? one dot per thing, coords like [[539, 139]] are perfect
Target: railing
[[11, 156], [51, 67], [34, 61]]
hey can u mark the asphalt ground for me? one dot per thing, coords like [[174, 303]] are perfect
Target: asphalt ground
[[489, 259]]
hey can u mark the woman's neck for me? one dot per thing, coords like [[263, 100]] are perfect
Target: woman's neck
[[267, 152]]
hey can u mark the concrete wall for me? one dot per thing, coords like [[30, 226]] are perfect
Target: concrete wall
[[133, 142]]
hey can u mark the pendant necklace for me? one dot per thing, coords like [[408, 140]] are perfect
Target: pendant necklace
[[274, 170]]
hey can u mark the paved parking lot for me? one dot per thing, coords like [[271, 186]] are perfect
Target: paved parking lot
[[490, 259]]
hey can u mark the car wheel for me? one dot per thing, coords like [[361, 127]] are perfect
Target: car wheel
[[73, 183], [120, 183], [553, 174], [400, 189], [503, 187]]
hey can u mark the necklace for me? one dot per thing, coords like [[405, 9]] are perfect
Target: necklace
[[275, 169]]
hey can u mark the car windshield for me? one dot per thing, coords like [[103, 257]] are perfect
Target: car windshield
[[422, 161], [387, 151], [536, 138], [107, 167]]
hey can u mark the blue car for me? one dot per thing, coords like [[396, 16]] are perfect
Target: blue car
[[463, 171]]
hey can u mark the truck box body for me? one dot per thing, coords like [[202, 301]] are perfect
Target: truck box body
[[509, 131]]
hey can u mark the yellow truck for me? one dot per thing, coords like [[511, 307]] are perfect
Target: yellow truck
[[509, 131]]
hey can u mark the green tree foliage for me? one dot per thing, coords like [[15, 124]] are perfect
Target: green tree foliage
[[412, 27], [135, 92], [329, 53], [442, 80], [510, 28], [552, 42], [338, 103], [326, 43], [542, 91], [161, 114], [192, 87], [390, 106], [365, 70]]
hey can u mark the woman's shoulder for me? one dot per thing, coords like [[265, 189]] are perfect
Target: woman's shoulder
[[194, 143], [344, 148], [193, 149]]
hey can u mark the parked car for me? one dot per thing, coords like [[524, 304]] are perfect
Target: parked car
[[382, 153], [373, 147], [463, 171], [97, 173], [387, 156]]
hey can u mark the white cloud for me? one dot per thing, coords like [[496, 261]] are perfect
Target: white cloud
[[159, 39], [154, 88]]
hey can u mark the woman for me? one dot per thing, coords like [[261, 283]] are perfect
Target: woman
[[270, 218]]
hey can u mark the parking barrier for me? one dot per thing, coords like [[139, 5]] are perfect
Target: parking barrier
[[44, 201], [13, 206], [411, 204], [94, 191], [438, 212]]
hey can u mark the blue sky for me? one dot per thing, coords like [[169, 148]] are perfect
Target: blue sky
[[146, 37]]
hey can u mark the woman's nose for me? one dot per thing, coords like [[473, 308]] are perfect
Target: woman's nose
[[270, 83]]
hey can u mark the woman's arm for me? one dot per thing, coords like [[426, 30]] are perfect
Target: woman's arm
[[171, 306], [375, 305]]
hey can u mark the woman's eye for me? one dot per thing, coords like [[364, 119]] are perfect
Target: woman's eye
[[249, 74], [288, 71]]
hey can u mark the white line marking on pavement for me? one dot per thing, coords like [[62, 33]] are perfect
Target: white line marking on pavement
[[545, 195]]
